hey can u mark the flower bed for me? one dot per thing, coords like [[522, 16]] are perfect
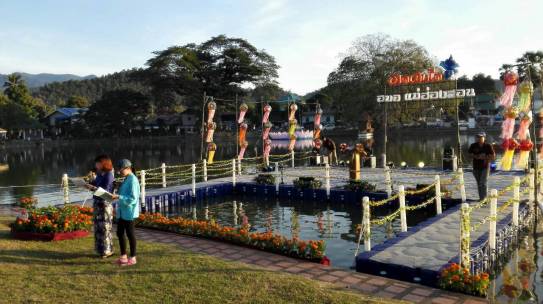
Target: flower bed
[[52, 224], [267, 241], [455, 278]]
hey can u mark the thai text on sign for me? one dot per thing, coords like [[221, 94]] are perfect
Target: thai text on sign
[[427, 95], [429, 76]]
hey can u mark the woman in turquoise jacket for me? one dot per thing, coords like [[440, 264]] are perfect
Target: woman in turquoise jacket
[[128, 209]]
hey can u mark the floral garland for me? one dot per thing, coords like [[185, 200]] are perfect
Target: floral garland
[[267, 241]]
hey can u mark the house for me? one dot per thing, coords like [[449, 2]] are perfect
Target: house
[[188, 122], [64, 115], [184, 123]]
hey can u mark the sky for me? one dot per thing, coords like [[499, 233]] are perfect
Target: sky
[[306, 38]]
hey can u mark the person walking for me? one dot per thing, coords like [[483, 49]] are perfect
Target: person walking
[[127, 210], [330, 146], [482, 153], [102, 209]]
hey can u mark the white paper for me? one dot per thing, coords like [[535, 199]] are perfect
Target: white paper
[[101, 193], [78, 181]]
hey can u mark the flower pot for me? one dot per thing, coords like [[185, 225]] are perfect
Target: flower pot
[[47, 237]]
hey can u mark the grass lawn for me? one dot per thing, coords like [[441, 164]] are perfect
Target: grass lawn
[[69, 272]]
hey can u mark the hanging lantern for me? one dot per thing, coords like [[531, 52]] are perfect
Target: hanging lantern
[[243, 147], [242, 133], [292, 128], [317, 120], [525, 121], [266, 132], [508, 125], [317, 132], [292, 115], [242, 110], [509, 145], [267, 148], [210, 130], [510, 80], [211, 106], [525, 146], [525, 92], [266, 115]]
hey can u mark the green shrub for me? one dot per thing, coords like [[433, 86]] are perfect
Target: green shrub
[[359, 185], [307, 182], [265, 179]]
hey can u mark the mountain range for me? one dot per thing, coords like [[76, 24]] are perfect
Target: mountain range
[[38, 80]]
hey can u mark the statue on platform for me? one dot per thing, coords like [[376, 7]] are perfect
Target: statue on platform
[[367, 120], [356, 160]]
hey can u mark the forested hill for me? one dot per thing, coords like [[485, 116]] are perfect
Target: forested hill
[[38, 80], [58, 93]]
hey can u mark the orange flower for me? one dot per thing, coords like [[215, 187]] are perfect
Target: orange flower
[[455, 278]]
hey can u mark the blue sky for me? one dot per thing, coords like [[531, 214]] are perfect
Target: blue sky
[[306, 37]]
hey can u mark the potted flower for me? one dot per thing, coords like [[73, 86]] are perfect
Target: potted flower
[[53, 224], [27, 202]]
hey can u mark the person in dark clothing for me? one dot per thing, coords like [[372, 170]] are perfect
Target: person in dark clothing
[[103, 210], [330, 146], [482, 153]]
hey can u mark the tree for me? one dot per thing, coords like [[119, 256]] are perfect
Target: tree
[[483, 84], [59, 93], [529, 64], [117, 112], [17, 92], [220, 67], [364, 69], [76, 101]]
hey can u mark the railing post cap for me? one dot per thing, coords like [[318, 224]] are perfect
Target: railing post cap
[[401, 188], [365, 199], [465, 205]]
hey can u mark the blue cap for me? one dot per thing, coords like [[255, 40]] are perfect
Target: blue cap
[[124, 163]]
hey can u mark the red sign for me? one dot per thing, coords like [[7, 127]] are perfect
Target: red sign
[[429, 76]]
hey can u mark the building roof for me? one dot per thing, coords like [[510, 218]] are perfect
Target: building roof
[[68, 112]]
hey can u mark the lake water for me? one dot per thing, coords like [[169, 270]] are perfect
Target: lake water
[[45, 163]]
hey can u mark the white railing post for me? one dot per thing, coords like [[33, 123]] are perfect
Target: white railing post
[[193, 169], [438, 195], [465, 242], [403, 218], [292, 158], [234, 172], [531, 185], [516, 200], [327, 179], [65, 188], [142, 190], [239, 166], [366, 227], [388, 181], [267, 160], [462, 185], [492, 221], [163, 175], [384, 158], [373, 162], [276, 177], [204, 168]]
